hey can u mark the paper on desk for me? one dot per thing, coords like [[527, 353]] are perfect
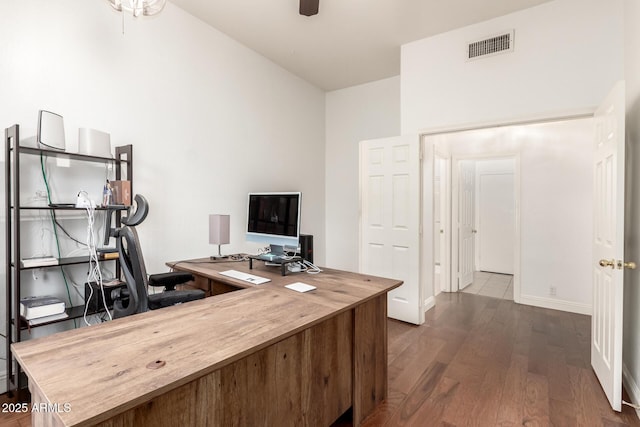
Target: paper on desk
[[300, 287]]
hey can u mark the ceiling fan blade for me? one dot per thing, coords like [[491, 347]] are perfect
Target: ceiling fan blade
[[309, 7]]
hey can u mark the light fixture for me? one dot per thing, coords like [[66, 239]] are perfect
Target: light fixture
[[138, 7], [218, 232]]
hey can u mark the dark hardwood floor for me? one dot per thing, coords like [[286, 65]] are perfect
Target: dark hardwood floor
[[12, 419], [481, 361]]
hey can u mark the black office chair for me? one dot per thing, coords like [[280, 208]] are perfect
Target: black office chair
[[135, 299]]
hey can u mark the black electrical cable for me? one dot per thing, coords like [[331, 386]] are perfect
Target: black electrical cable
[[55, 230], [67, 233]]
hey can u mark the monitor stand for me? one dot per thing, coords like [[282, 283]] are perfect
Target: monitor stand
[[281, 262]]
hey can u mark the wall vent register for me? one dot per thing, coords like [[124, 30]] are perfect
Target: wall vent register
[[501, 43]]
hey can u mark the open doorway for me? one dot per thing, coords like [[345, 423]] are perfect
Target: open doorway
[[484, 240], [553, 187]]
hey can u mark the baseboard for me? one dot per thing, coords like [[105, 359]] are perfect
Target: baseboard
[[631, 386], [556, 304], [429, 303]]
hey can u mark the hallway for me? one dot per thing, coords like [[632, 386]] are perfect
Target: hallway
[[491, 285]]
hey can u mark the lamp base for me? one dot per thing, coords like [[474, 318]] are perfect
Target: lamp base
[[219, 256]]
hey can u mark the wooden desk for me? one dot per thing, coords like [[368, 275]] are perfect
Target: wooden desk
[[264, 355]]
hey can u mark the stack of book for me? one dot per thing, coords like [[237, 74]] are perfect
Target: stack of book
[[38, 261], [37, 310], [108, 253]]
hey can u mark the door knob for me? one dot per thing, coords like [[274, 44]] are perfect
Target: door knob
[[630, 265], [607, 263], [474, 231]]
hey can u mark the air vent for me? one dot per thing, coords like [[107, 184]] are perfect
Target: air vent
[[501, 43]]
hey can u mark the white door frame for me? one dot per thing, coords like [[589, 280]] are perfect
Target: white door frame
[[581, 113], [454, 213]]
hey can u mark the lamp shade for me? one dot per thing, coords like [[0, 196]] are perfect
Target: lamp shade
[[219, 229]]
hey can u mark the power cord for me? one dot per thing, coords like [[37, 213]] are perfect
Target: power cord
[[69, 235], [311, 268], [55, 230], [633, 405], [303, 266], [94, 274]]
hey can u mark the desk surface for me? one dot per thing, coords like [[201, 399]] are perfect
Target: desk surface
[[335, 288], [102, 370]]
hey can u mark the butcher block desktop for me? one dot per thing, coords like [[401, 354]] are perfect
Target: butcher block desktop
[[261, 355]]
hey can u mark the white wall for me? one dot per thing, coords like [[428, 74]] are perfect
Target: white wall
[[556, 220], [631, 338], [354, 114], [209, 119], [568, 54]]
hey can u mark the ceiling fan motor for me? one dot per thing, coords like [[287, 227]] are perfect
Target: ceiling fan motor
[[309, 7]]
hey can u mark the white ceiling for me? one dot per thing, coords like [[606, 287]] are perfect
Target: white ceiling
[[349, 42]]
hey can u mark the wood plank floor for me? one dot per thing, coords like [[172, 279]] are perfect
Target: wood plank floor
[[481, 361], [13, 419]]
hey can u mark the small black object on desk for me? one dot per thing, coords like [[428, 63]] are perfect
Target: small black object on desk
[[283, 261]]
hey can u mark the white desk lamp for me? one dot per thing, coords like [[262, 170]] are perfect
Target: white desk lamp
[[218, 232]]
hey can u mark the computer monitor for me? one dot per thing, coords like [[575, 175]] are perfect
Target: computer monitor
[[274, 218]]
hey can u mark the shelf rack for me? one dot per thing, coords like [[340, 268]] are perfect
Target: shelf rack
[[16, 380]]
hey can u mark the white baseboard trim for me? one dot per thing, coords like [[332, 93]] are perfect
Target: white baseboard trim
[[631, 386], [429, 303], [556, 304]]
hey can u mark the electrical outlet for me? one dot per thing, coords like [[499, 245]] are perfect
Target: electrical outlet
[[552, 291]]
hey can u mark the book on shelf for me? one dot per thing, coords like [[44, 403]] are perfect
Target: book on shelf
[[108, 253], [121, 191], [38, 261], [46, 319], [40, 306]]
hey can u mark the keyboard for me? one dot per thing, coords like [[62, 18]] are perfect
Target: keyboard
[[249, 278]]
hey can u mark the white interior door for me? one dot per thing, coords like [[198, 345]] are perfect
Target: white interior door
[[390, 208], [496, 222], [608, 245], [466, 217], [440, 228]]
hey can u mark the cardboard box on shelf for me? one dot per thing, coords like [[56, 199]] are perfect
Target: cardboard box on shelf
[[121, 192]]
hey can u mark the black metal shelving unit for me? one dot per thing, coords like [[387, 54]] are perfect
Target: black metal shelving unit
[[16, 380]]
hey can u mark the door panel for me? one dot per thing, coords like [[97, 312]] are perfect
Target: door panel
[[390, 234], [608, 245], [496, 225], [466, 225]]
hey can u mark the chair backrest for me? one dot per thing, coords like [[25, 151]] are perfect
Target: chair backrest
[[135, 273], [131, 260]]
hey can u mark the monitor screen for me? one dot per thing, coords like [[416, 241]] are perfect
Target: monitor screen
[[274, 218]]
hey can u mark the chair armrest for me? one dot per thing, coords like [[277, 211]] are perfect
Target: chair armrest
[[170, 280]]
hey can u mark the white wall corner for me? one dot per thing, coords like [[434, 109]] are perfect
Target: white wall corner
[[556, 304], [631, 385], [429, 303]]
